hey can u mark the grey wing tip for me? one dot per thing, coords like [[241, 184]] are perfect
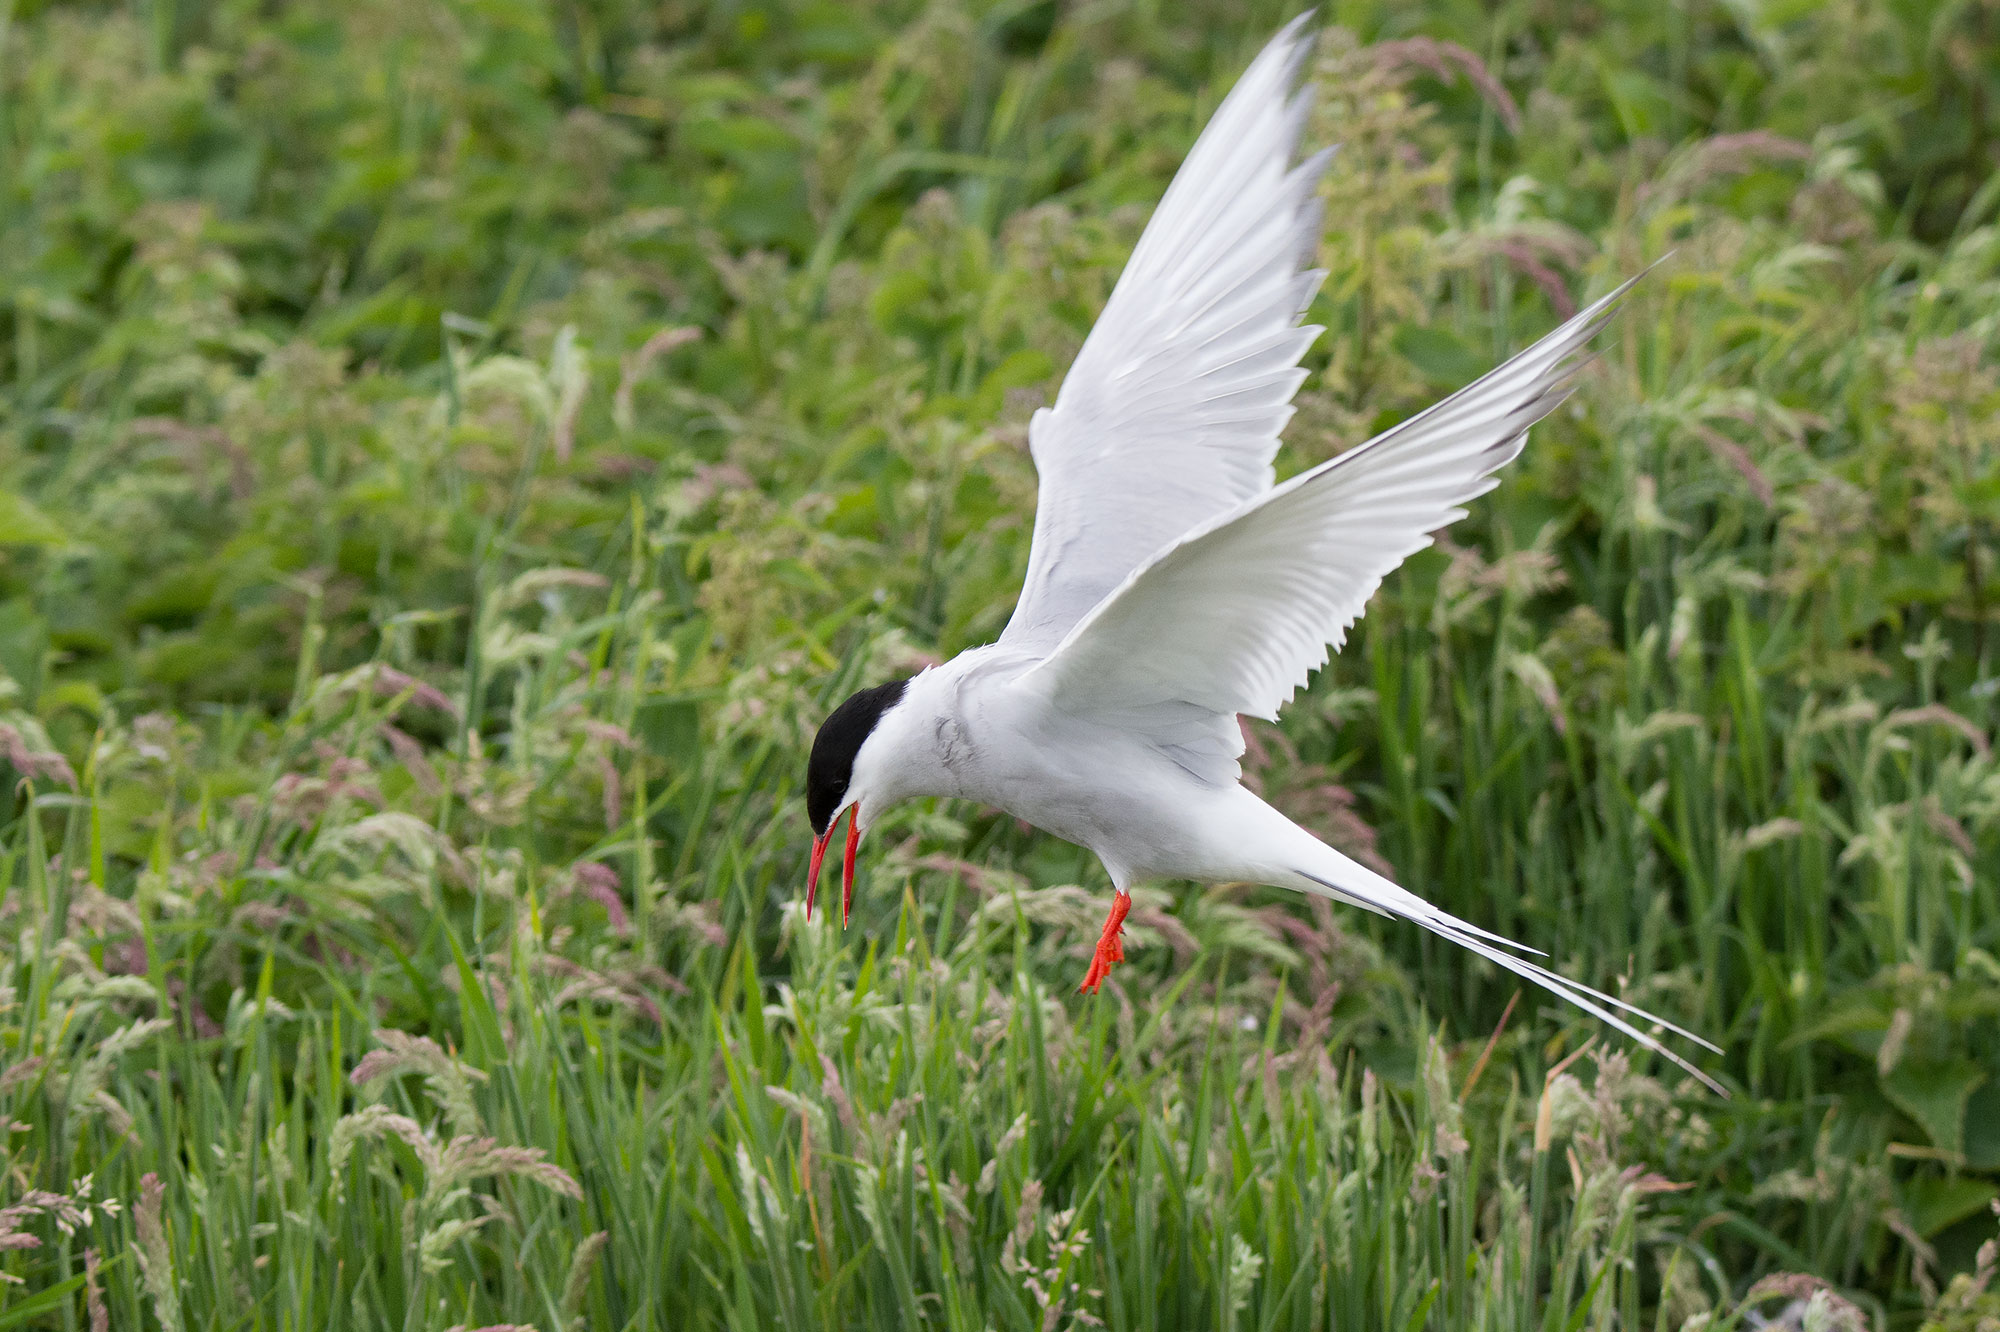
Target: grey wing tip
[[1316, 163], [1607, 302], [1301, 45], [1497, 457]]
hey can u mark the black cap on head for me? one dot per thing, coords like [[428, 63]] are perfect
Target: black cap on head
[[840, 738]]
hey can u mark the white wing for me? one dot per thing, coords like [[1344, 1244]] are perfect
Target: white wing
[[1171, 413], [1236, 616]]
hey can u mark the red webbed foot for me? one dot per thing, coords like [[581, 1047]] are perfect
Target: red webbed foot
[[1110, 946]]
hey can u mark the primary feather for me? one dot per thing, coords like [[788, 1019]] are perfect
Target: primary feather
[[1172, 410], [1238, 613]]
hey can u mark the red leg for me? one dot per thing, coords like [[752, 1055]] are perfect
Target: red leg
[[1110, 947]]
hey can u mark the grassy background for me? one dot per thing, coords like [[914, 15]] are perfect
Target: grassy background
[[452, 454]]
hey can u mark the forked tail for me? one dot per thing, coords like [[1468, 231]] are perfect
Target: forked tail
[[1365, 888]]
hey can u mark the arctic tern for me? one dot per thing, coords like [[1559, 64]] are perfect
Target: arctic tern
[[1171, 586]]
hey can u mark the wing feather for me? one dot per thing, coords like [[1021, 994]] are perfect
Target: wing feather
[[1171, 413], [1238, 614]]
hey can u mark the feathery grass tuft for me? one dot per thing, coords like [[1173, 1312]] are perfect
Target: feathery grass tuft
[[451, 456]]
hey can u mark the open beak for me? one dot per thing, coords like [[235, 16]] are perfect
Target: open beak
[[846, 867]]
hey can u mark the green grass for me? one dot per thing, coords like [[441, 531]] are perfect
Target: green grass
[[452, 455]]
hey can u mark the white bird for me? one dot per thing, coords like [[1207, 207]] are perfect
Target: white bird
[[1171, 585]]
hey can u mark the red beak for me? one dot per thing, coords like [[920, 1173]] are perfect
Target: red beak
[[819, 854], [846, 868]]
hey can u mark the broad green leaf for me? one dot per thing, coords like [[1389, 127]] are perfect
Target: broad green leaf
[[1934, 1093], [1935, 1203], [22, 524]]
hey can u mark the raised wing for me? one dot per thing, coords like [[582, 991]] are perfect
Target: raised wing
[[1236, 616], [1171, 413]]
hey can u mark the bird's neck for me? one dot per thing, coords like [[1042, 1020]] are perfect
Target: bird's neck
[[921, 745]]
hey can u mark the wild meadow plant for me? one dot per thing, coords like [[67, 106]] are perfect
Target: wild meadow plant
[[452, 455]]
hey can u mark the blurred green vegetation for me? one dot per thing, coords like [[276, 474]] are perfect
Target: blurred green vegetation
[[452, 454]]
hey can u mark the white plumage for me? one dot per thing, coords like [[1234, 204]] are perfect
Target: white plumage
[[1171, 586], [1179, 393], [1235, 615]]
